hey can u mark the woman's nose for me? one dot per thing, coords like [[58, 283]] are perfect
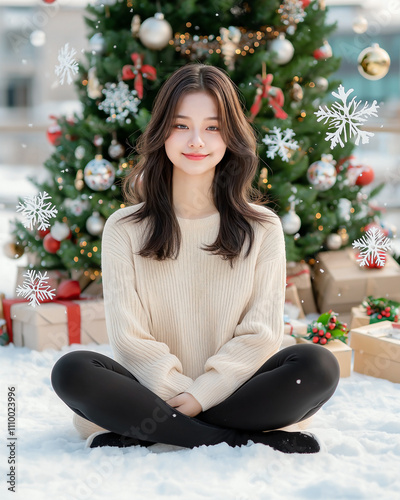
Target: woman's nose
[[196, 140]]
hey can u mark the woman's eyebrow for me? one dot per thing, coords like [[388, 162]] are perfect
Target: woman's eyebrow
[[188, 117]]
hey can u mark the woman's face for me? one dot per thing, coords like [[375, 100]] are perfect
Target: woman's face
[[195, 131]]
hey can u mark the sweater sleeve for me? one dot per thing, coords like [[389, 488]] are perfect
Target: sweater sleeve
[[150, 361], [257, 336]]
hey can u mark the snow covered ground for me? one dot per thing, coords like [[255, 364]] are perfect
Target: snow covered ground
[[359, 429]]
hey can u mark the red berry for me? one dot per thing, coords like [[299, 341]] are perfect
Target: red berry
[[323, 341], [322, 333], [328, 335], [315, 339], [387, 308], [331, 327], [379, 316], [315, 330], [333, 319]]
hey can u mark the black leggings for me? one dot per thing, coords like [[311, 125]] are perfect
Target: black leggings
[[289, 387]]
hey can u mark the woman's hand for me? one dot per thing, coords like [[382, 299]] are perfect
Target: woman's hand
[[186, 404]]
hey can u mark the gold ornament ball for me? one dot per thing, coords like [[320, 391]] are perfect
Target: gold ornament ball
[[13, 250], [373, 62], [360, 24]]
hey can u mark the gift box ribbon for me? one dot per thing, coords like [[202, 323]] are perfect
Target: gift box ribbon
[[72, 308]]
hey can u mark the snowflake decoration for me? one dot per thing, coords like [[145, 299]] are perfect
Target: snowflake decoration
[[35, 288], [374, 244], [35, 210], [68, 66], [341, 113], [280, 144], [119, 102]]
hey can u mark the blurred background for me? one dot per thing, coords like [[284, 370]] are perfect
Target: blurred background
[[32, 32]]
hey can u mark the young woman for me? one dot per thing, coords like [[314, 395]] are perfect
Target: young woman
[[195, 322]]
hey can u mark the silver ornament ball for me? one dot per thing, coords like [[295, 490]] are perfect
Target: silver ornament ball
[[291, 222], [334, 241], [283, 49], [155, 32], [99, 174], [95, 224]]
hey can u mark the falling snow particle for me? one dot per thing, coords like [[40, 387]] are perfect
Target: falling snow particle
[[298, 381], [36, 211], [280, 143], [373, 246], [35, 288], [341, 114], [68, 66]]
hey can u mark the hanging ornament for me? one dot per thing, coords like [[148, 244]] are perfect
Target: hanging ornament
[[54, 133], [76, 206], [97, 43], [360, 175], [230, 39], [292, 13], [344, 208], [119, 102], [95, 224], [13, 249], [116, 149], [360, 24], [373, 62], [324, 52], [274, 95], [322, 174], [42, 232], [78, 182], [282, 50], [80, 152], [135, 25], [333, 241], [296, 92], [321, 84], [93, 86], [137, 72], [99, 174], [291, 222], [344, 235], [50, 244], [155, 32], [60, 231]]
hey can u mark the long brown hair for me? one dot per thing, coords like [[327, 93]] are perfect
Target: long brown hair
[[232, 183]]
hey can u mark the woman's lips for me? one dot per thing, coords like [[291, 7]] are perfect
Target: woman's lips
[[195, 157]]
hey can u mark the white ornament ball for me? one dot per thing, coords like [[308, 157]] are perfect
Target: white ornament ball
[[291, 222], [97, 43], [322, 175], [321, 83], [99, 174], [334, 241], [283, 48], [59, 231], [95, 224], [155, 32], [360, 24], [116, 149], [80, 152]]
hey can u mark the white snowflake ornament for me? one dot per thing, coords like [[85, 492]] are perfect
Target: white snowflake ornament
[[342, 114], [35, 288], [36, 211], [68, 66], [373, 246], [119, 102], [280, 143]]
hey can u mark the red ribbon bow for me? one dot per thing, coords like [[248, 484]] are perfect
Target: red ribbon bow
[[274, 95], [138, 71]]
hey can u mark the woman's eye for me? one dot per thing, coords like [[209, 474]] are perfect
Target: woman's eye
[[180, 125]]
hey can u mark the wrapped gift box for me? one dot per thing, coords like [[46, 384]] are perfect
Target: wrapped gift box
[[359, 317], [377, 350], [340, 350], [293, 307], [295, 327], [46, 326], [299, 274], [340, 283]]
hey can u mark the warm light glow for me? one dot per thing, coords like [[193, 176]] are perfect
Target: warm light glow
[[76, 259], [303, 114], [84, 82], [59, 179], [89, 254], [320, 228], [318, 215], [188, 24], [311, 84]]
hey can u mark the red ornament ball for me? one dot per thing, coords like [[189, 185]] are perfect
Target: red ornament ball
[[42, 232], [54, 133], [50, 244], [69, 290], [305, 3], [365, 174]]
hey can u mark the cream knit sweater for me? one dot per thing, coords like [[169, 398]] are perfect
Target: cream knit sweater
[[193, 324]]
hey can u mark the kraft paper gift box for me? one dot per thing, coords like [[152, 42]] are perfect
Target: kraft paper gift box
[[295, 327], [377, 350], [340, 350], [359, 317], [293, 305], [46, 326], [299, 274], [340, 283]]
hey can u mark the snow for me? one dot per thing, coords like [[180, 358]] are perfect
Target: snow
[[359, 431]]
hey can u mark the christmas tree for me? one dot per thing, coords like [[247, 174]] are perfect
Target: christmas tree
[[278, 55]]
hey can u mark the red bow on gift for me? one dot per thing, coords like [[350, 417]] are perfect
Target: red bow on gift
[[138, 71], [274, 95]]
